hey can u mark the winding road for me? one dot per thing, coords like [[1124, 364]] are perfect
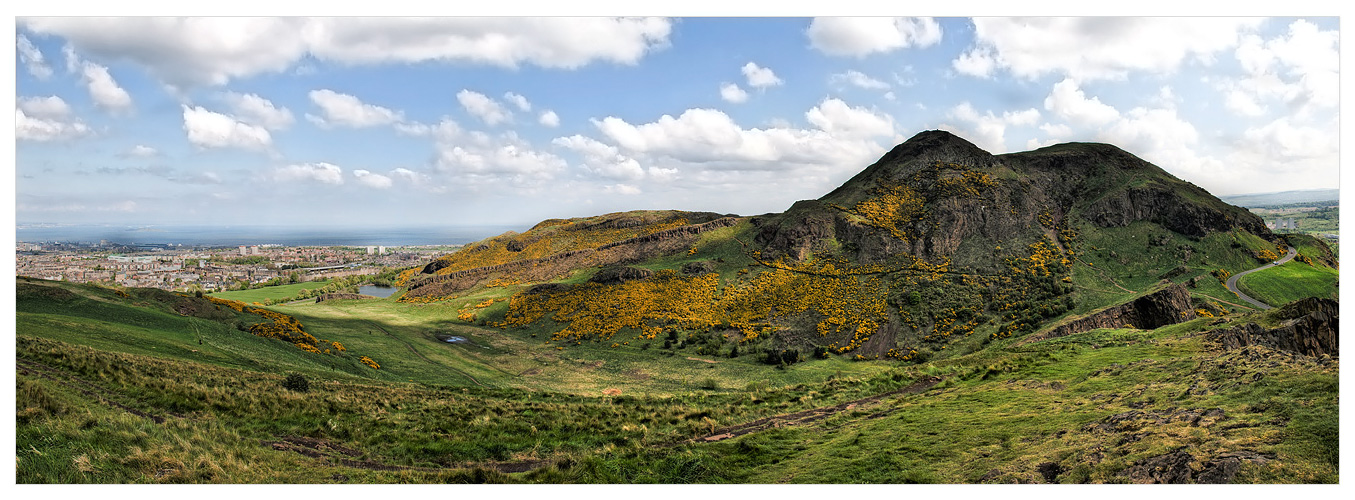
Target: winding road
[[1232, 282]]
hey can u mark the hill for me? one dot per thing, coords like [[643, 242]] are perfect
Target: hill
[[1256, 200], [947, 315]]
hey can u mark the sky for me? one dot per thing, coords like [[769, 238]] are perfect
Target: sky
[[362, 121]]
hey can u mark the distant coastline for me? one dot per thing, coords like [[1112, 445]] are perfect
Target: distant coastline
[[256, 235]]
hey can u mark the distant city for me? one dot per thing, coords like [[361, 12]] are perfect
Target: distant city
[[210, 268]]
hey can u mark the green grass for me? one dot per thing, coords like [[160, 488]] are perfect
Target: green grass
[[1289, 282], [269, 292], [1001, 410]]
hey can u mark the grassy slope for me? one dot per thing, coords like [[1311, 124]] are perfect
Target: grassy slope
[[1291, 281], [999, 409], [270, 292]]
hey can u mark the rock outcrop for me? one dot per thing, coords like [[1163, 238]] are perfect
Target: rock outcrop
[[616, 275], [1164, 307], [1309, 328]]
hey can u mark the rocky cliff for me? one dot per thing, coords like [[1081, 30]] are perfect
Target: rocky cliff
[[1167, 306], [1308, 327]]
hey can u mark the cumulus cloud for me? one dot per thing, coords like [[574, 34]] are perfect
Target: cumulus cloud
[[325, 173], [50, 107], [477, 160], [519, 101], [862, 36], [549, 119], [208, 129], [408, 175], [344, 110], [759, 77], [602, 159], [709, 139], [858, 79], [732, 93], [481, 106], [977, 62], [839, 119], [255, 110], [1067, 101], [103, 90], [1300, 69], [987, 130], [31, 128], [213, 51], [32, 59], [372, 180], [1088, 48]]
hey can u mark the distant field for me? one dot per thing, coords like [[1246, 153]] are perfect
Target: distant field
[[1289, 282], [271, 292]]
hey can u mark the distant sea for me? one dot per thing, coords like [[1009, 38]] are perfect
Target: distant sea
[[256, 235]]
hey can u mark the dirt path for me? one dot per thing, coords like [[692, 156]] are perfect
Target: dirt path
[[1232, 281], [807, 416]]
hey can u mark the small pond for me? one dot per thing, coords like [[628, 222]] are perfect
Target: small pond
[[377, 290]]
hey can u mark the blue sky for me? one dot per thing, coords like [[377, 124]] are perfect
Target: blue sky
[[456, 121]]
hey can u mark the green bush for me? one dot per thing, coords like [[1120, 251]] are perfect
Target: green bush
[[296, 382]]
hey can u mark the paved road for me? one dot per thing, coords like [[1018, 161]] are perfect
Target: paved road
[[1232, 282]]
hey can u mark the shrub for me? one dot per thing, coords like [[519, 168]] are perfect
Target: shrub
[[296, 382]]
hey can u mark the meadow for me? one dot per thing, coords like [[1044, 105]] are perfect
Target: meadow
[[156, 388]]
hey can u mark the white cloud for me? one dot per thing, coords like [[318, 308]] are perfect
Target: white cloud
[[1300, 69], [1067, 101], [321, 172], [858, 79], [105, 92], [706, 139], [621, 189], [347, 111], [50, 107], [373, 180], [410, 176], [141, 151], [1087, 48], [519, 101], [977, 62], [1157, 135], [602, 159], [861, 36], [445, 130], [255, 110], [213, 51], [987, 129], [732, 93], [1058, 131], [1286, 142], [32, 59], [30, 128], [207, 129], [840, 120], [481, 106], [478, 159], [549, 119], [759, 77]]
